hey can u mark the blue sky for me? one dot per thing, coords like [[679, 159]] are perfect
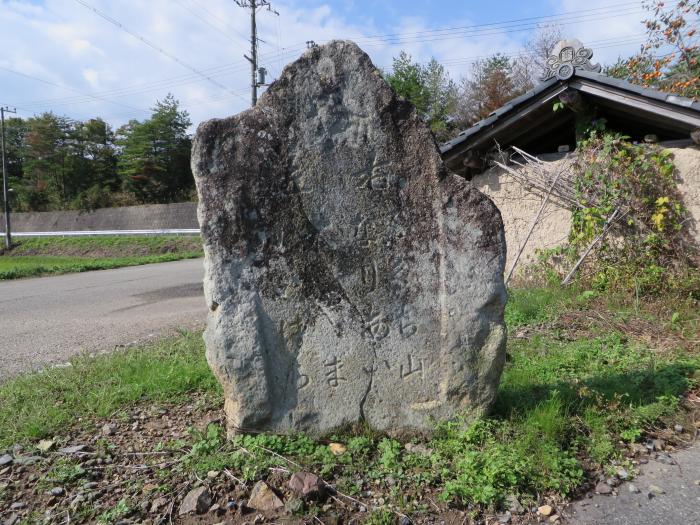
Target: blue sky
[[61, 56]]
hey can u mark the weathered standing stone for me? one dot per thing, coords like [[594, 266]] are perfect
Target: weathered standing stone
[[348, 275]]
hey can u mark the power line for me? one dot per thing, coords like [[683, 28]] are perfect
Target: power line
[[135, 89], [596, 44], [229, 69], [216, 17], [225, 70], [531, 19], [179, 80], [49, 82], [508, 26], [482, 32], [205, 21], [153, 46], [132, 90]]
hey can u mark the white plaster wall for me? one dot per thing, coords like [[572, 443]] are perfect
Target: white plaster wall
[[519, 206], [687, 162]]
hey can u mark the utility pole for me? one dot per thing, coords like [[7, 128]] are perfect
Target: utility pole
[[5, 192], [257, 75]]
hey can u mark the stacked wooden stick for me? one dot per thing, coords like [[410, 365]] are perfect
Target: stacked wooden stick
[[537, 177]]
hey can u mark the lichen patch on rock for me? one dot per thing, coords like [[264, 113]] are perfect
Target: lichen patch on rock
[[349, 276]]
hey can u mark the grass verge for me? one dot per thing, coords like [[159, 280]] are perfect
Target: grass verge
[[580, 389], [41, 404], [53, 255]]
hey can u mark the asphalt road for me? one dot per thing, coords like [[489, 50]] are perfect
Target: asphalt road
[[679, 503], [45, 321]]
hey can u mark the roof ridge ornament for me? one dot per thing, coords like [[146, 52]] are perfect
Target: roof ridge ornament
[[566, 57]]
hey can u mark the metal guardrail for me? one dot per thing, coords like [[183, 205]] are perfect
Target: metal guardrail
[[87, 233]]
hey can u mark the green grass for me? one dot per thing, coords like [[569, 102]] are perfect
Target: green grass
[[531, 306], [563, 410], [53, 255], [35, 266], [112, 244], [40, 404], [566, 404]]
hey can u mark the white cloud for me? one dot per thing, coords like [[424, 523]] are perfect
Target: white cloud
[[612, 30], [65, 43], [93, 78]]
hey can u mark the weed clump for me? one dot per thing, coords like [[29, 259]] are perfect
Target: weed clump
[[648, 248]]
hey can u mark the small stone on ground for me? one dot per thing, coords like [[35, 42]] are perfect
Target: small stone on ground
[[514, 506], [603, 488], [545, 510], [306, 483], [45, 445], [263, 498], [656, 490], [197, 501], [74, 449]]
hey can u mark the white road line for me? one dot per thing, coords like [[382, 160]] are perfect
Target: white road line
[[84, 233]]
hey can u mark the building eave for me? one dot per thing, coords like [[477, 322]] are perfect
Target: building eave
[[532, 110]]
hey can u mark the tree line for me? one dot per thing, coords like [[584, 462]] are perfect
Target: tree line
[[669, 60], [57, 163]]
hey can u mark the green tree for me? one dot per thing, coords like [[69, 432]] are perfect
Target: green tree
[[93, 175], [407, 80], [15, 131], [154, 155], [45, 162], [441, 95], [429, 88]]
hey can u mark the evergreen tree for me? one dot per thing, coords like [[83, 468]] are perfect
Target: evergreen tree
[[154, 154], [429, 88], [15, 131], [94, 177], [45, 158]]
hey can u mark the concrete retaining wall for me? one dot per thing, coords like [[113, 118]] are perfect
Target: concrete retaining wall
[[146, 217]]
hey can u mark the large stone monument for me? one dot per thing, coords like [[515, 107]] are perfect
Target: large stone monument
[[349, 277]]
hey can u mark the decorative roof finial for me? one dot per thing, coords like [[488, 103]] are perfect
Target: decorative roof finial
[[566, 57]]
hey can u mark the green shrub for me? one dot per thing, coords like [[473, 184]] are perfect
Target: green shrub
[[648, 246]]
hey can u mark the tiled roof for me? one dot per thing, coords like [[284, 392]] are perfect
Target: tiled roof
[[579, 74]]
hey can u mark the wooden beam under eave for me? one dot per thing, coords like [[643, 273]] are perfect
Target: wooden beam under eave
[[667, 111], [485, 138]]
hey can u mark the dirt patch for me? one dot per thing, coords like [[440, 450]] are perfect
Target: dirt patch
[[117, 471], [652, 326], [87, 473]]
